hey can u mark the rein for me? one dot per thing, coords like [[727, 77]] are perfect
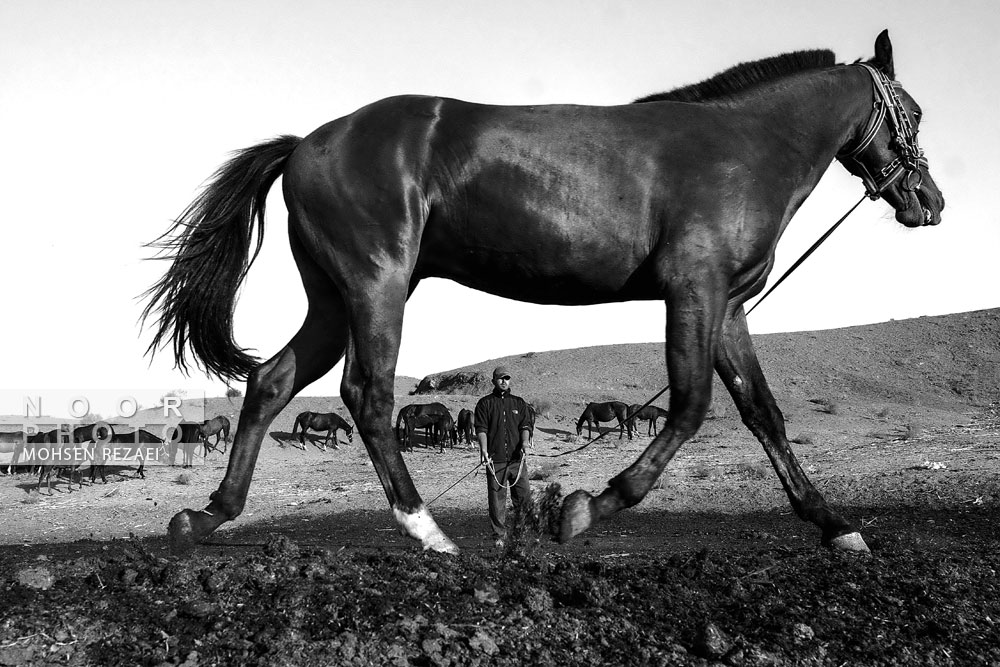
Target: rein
[[904, 139]]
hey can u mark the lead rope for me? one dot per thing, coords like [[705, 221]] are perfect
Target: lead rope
[[521, 467], [489, 467]]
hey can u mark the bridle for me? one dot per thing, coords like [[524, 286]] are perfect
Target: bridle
[[904, 141]]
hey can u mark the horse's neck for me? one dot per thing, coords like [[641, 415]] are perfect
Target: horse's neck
[[809, 120], [814, 114]]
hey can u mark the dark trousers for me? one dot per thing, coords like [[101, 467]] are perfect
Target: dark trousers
[[520, 491]]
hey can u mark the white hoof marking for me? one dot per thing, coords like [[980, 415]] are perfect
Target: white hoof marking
[[850, 542], [421, 526]]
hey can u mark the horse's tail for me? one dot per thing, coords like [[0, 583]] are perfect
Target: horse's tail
[[295, 426], [210, 247]]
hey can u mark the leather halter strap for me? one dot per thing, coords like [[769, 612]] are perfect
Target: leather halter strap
[[904, 140]]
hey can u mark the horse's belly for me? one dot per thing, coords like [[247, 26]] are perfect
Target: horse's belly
[[534, 284], [529, 259]]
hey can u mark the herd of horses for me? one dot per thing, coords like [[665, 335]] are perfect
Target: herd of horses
[[627, 415], [88, 440], [441, 429]]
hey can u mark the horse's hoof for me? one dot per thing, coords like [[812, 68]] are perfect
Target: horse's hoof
[[576, 515], [421, 526], [850, 542], [181, 533], [441, 544]]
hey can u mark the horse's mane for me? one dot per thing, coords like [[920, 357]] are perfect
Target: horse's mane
[[744, 76]]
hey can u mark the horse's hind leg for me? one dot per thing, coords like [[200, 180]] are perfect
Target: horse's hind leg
[[695, 308], [367, 390], [738, 367], [311, 353]]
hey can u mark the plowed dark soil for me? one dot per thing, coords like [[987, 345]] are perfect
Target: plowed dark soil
[[898, 425]]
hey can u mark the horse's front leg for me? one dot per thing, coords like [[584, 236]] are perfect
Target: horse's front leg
[[695, 309], [738, 367]]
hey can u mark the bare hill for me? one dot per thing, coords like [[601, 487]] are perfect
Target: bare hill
[[948, 362], [952, 359]]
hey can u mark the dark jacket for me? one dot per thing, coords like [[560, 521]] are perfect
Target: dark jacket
[[502, 416]]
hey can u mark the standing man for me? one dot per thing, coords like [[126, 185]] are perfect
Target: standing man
[[502, 427]]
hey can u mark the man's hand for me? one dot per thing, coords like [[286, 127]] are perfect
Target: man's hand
[[484, 456]]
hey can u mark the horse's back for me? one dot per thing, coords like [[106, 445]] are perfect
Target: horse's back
[[541, 194]]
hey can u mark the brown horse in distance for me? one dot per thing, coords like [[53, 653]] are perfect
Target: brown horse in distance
[[330, 422], [650, 413], [466, 426], [219, 427], [595, 413]]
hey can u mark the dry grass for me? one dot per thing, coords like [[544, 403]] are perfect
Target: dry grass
[[748, 470]]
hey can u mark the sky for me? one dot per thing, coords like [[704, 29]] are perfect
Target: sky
[[116, 112]]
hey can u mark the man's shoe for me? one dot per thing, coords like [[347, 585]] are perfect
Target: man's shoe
[[499, 543]]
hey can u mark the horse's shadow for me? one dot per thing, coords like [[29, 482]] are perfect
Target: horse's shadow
[[554, 431], [286, 439]]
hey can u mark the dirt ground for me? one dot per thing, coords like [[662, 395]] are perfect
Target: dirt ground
[[712, 567]]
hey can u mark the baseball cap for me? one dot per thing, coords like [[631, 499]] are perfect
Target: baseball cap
[[500, 371]]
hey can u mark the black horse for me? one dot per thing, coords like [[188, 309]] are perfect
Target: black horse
[[219, 427], [330, 422], [650, 413], [466, 426], [94, 437], [595, 413], [679, 198], [73, 449], [186, 436], [445, 432], [12, 442], [132, 442]]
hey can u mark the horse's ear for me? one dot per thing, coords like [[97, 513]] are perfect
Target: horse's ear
[[883, 55]]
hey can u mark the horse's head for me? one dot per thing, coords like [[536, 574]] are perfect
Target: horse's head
[[350, 433], [885, 154]]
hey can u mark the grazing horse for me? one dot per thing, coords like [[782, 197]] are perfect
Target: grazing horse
[[55, 440], [445, 432], [595, 413], [95, 435], [136, 438], [680, 197], [330, 422], [219, 427], [650, 413], [417, 415], [187, 436], [12, 442], [466, 425]]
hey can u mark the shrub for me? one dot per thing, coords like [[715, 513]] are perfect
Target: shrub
[[233, 392], [826, 405], [752, 470], [175, 393]]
